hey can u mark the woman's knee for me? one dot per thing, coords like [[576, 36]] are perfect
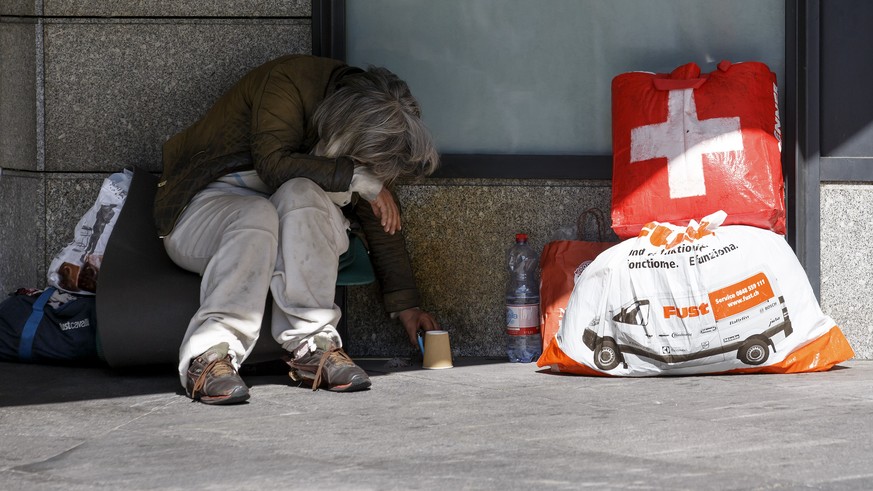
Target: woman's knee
[[256, 214], [300, 193]]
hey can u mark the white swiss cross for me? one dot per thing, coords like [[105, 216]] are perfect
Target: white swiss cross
[[683, 140]]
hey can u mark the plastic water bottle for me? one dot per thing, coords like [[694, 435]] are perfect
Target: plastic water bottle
[[523, 341]]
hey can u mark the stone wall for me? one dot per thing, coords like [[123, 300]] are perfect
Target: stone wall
[[89, 86], [458, 232], [847, 261]]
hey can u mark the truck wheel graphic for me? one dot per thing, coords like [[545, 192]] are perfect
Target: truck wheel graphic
[[754, 352], [606, 356]]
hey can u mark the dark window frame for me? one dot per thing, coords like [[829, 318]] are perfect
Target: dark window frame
[[800, 159], [802, 164]]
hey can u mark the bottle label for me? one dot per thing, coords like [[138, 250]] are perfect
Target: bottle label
[[523, 320]]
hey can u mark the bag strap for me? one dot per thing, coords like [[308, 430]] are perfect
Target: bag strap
[[684, 77], [597, 214], [25, 346]]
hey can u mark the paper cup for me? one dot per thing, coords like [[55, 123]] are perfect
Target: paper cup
[[437, 352]]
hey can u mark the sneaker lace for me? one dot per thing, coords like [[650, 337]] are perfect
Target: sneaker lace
[[337, 355], [220, 366]]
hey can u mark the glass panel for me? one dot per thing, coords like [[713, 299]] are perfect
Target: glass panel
[[533, 76]]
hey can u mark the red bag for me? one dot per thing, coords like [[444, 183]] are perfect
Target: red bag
[[687, 144], [561, 262]]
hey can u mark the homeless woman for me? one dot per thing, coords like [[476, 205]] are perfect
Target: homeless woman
[[256, 197]]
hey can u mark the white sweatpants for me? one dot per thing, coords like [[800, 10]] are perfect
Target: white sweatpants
[[244, 245]]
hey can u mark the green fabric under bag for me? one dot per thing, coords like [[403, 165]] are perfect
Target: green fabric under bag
[[354, 264]]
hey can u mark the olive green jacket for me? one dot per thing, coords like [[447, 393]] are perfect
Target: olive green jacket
[[264, 123]]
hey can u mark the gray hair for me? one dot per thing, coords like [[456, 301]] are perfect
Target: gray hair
[[374, 119]]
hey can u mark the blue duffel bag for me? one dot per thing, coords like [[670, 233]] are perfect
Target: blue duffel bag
[[35, 329]]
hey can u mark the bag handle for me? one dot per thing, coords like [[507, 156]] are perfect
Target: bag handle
[[25, 345], [687, 76], [668, 84], [598, 217]]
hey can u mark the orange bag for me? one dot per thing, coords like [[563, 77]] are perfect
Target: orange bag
[[686, 144], [561, 262]]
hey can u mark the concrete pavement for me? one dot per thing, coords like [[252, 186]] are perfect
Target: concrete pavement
[[484, 424]]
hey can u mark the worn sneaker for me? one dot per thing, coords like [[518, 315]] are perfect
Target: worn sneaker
[[212, 378], [332, 368]]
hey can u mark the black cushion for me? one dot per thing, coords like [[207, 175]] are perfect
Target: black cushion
[[145, 301]]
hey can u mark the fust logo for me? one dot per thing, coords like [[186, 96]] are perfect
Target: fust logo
[[684, 312]]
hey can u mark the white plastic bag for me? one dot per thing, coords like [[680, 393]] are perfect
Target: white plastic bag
[[696, 299], [76, 267]]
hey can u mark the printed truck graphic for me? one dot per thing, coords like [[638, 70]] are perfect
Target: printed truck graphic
[[742, 317]]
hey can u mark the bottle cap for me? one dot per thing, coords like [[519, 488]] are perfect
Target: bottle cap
[[521, 237]]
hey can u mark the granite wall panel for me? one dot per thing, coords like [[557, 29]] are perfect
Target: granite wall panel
[[18, 94], [22, 230], [19, 7], [115, 91], [846, 263], [457, 234], [177, 8]]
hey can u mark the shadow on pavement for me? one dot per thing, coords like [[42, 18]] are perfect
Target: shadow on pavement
[[28, 384], [24, 384]]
